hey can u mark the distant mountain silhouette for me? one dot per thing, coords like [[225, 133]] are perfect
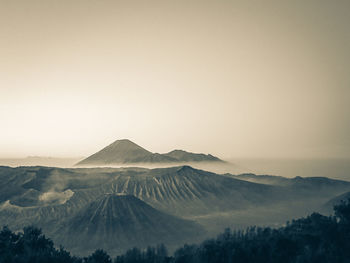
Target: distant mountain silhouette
[[298, 182], [181, 155], [127, 152], [120, 221]]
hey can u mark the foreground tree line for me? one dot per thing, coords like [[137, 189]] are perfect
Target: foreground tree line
[[316, 238]]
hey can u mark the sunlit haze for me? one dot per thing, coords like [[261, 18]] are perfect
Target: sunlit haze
[[230, 78]]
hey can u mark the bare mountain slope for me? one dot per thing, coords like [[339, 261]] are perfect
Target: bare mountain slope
[[118, 222]]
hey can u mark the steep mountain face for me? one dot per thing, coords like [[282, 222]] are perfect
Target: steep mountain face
[[118, 222], [187, 191], [127, 152]]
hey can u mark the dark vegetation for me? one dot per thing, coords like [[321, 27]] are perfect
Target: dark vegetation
[[316, 238]]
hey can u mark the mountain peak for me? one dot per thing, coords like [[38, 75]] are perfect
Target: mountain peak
[[120, 151], [177, 151], [186, 168], [125, 143], [123, 140]]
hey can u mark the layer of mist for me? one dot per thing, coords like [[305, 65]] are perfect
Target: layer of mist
[[40, 161]]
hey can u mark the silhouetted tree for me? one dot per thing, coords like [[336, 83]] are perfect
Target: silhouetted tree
[[342, 211], [30, 246], [99, 256]]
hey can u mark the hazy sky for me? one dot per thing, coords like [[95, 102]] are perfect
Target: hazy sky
[[233, 78]]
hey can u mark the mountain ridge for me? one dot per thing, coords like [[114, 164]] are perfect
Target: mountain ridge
[[127, 152]]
